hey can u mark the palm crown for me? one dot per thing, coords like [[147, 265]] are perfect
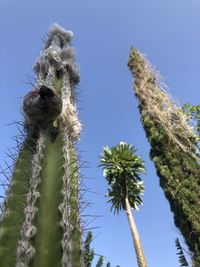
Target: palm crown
[[122, 170]]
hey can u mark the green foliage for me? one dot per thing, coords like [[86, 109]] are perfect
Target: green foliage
[[117, 195], [121, 160], [180, 253], [88, 252], [100, 262], [122, 170], [108, 265], [177, 169], [194, 113]]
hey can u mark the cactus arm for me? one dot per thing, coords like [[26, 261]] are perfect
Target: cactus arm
[[48, 238], [51, 197], [75, 219], [25, 250], [16, 200], [60, 188]]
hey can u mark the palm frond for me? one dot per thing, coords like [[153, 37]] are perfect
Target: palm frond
[[122, 169]]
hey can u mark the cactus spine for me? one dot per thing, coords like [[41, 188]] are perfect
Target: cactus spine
[[40, 225]]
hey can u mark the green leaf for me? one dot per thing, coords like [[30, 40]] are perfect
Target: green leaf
[[122, 169]]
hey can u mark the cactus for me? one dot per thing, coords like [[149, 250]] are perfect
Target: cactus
[[173, 150], [40, 223]]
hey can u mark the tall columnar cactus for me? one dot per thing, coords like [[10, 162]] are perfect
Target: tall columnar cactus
[[40, 223], [173, 150]]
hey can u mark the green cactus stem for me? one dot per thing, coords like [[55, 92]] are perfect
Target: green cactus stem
[[13, 215], [48, 230]]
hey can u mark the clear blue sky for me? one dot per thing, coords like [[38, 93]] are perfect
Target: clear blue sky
[[168, 32]]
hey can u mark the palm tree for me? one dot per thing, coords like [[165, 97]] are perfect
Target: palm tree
[[122, 170]]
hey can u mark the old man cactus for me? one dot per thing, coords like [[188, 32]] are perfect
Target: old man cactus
[[40, 222]]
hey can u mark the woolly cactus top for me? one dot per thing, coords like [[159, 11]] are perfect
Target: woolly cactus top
[[159, 105], [56, 69], [57, 54], [57, 33]]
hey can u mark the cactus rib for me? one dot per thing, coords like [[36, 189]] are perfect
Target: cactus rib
[[16, 201], [44, 200]]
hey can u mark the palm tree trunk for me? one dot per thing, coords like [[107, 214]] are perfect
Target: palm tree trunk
[[136, 239]]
